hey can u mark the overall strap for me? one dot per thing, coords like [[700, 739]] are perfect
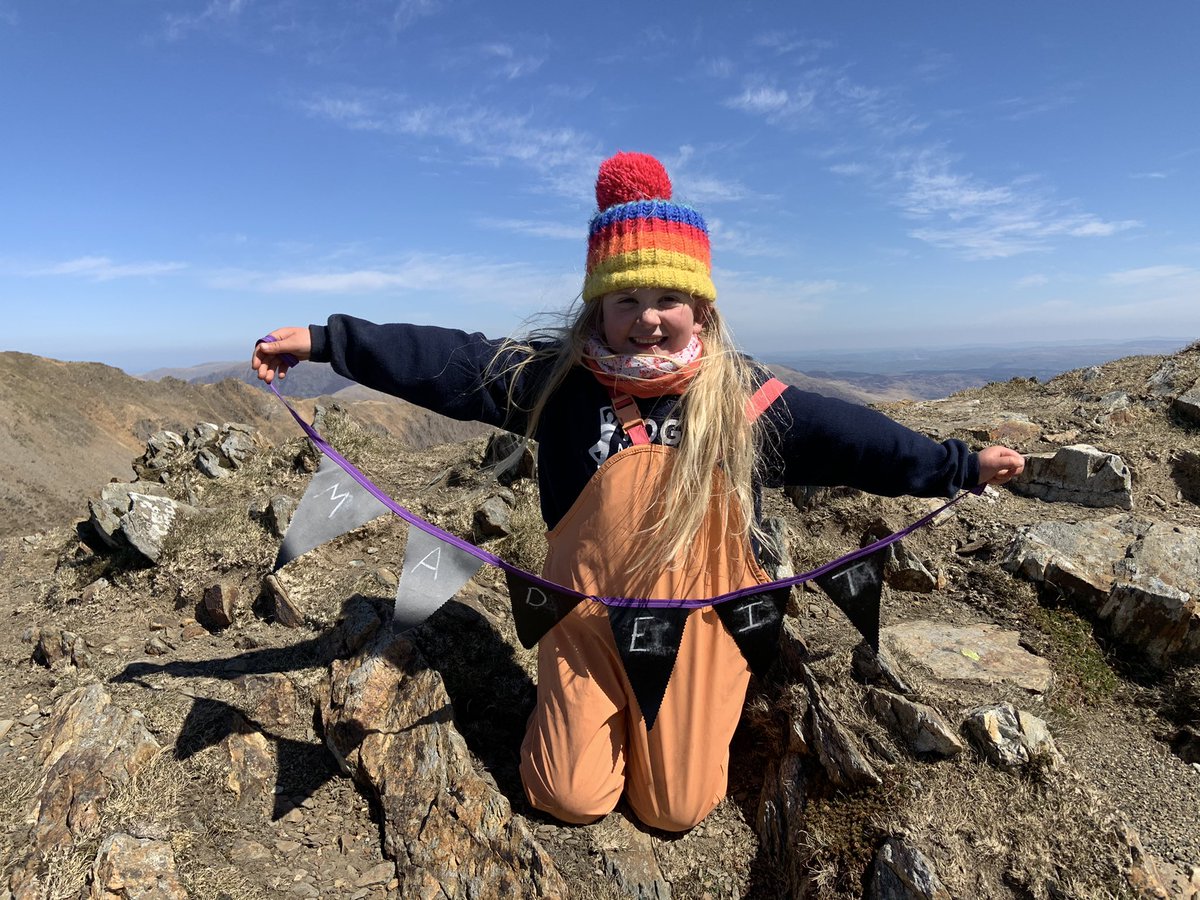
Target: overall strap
[[631, 420], [627, 411], [767, 394]]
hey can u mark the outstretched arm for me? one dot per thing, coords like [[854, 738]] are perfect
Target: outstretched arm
[[269, 358], [999, 464]]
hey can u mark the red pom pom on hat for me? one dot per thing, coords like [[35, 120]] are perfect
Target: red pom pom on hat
[[631, 176]]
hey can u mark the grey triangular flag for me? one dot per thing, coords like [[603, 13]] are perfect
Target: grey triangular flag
[[333, 504], [433, 573]]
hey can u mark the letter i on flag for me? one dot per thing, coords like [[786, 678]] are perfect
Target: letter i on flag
[[333, 504], [434, 571], [856, 588]]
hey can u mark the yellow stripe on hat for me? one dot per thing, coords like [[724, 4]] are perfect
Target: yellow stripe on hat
[[653, 269]]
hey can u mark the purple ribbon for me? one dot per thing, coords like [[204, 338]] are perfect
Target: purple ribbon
[[652, 603]]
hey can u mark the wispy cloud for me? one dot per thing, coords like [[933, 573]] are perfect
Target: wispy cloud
[[1016, 109], [1151, 175], [409, 11], [490, 134], [1033, 281], [216, 12], [101, 268], [1153, 275], [510, 64], [534, 228]]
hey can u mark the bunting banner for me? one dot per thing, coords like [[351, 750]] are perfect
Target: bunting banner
[[333, 504], [433, 572], [856, 588], [647, 631], [536, 608], [754, 623], [648, 641]]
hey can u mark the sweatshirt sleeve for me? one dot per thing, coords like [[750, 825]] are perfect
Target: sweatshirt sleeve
[[819, 440], [441, 369]]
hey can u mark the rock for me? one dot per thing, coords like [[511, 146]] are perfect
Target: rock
[[209, 462], [1010, 738], [130, 868], [1012, 431], [780, 822], [252, 766], [905, 572], [387, 718], [89, 748], [1078, 473], [1170, 380], [220, 604], [973, 653], [56, 649], [149, 522], [628, 857], [237, 443], [268, 700], [493, 518], [510, 457], [1151, 877], [284, 612], [202, 434], [1063, 437], [836, 746], [776, 559], [879, 668], [156, 646], [920, 726], [900, 872], [161, 448], [1139, 576], [279, 514], [105, 513]]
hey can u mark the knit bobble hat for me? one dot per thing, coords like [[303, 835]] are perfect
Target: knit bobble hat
[[640, 238]]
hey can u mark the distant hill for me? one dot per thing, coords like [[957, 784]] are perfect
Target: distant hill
[[68, 427]]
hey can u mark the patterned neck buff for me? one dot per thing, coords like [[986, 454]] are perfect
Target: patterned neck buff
[[644, 375]]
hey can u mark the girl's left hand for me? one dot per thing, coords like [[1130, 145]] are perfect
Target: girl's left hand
[[998, 465]]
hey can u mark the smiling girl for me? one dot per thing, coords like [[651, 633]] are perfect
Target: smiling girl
[[655, 437]]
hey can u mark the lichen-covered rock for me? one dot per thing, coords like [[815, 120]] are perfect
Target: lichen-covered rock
[[388, 720], [1011, 738], [1079, 474], [131, 868], [237, 443], [900, 872], [149, 522], [920, 726], [970, 653]]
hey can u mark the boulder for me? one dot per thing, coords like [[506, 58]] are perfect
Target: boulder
[[1078, 473], [131, 868], [1187, 405], [106, 512], [237, 443], [161, 448], [220, 604], [1139, 576], [89, 748], [974, 653], [208, 461], [1011, 738], [900, 872], [149, 522], [202, 434], [920, 726], [388, 720]]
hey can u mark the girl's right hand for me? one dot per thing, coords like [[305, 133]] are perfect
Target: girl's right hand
[[267, 361]]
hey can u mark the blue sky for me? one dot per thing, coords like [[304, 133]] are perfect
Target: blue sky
[[178, 178]]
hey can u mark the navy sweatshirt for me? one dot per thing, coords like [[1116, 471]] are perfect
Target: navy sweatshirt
[[811, 440]]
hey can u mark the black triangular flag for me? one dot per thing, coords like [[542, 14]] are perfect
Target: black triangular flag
[[856, 588], [535, 609], [754, 623], [648, 641]]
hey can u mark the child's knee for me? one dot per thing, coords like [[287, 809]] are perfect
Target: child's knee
[[570, 796], [678, 816]]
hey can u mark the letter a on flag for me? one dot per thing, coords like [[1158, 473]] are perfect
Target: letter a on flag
[[856, 589], [434, 571], [333, 504]]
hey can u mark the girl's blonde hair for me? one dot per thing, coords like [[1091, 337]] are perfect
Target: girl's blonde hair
[[715, 430]]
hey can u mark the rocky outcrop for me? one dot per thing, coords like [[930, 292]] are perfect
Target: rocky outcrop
[[130, 868], [1077, 474], [387, 719], [1139, 576], [976, 653], [89, 749], [920, 726], [900, 872], [138, 516]]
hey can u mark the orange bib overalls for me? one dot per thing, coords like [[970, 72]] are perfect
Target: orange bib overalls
[[587, 741]]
